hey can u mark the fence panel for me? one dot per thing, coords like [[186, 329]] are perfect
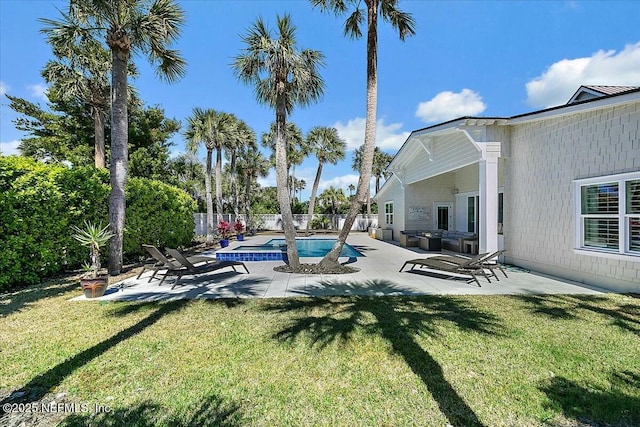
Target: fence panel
[[273, 222]]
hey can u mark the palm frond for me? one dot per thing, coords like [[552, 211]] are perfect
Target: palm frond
[[353, 23], [402, 21]]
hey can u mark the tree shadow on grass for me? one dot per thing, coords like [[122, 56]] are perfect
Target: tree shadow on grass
[[212, 412], [617, 404], [17, 300], [398, 320], [41, 384], [625, 315]]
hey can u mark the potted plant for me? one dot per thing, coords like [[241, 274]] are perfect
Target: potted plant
[[94, 237], [225, 230], [239, 227]]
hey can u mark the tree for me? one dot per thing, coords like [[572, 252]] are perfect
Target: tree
[[380, 162], [149, 141], [332, 198], [82, 73], [328, 147], [283, 77], [187, 173], [211, 128], [351, 189], [404, 23], [133, 26], [251, 164], [54, 136], [243, 136], [297, 148]]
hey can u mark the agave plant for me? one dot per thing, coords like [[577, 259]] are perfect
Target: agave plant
[[94, 237]]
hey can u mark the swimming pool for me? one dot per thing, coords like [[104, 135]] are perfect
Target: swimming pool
[[276, 250]]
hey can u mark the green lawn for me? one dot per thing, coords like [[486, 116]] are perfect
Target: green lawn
[[392, 361]]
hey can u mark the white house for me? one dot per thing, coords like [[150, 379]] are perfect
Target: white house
[[558, 189]]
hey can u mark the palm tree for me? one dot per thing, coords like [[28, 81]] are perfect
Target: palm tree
[[252, 165], [243, 136], [333, 198], [213, 129], [299, 185], [328, 147], [283, 77], [82, 73], [351, 188], [380, 162], [297, 148], [404, 23], [134, 26]]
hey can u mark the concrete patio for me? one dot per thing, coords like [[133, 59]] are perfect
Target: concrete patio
[[378, 276]]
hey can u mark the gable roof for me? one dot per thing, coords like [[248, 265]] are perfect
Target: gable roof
[[586, 92]]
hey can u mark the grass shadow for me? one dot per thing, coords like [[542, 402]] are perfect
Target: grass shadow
[[212, 412], [625, 315], [399, 320], [17, 300], [593, 405], [41, 384]]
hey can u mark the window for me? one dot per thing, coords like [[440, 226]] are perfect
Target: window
[[388, 213], [609, 214]]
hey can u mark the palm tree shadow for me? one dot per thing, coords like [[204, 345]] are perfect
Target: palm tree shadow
[[596, 405], [397, 319], [41, 384], [623, 315], [212, 412]]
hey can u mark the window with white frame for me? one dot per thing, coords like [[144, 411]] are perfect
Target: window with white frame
[[608, 210], [388, 213]]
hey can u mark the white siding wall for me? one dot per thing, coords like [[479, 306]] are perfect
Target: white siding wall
[[546, 156], [423, 194], [394, 194]]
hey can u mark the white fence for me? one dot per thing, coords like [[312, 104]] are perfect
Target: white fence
[[273, 222]]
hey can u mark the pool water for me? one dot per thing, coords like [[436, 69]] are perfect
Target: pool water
[[275, 250], [316, 247]]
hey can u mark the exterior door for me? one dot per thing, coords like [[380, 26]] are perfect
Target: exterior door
[[443, 215]]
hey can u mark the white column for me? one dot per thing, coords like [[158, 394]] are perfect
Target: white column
[[488, 209]]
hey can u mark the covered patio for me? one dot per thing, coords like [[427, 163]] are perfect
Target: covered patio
[[449, 177]]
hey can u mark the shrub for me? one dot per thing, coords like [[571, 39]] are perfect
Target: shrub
[[39, 204]]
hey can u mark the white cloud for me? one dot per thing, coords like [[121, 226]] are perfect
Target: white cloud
[[556, 85], [339, 182], [388, 137], [9, 148], [448, 105], [270, 180], [3, 89], [38, 91]]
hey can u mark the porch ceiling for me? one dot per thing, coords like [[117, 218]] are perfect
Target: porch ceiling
[[426, 155]]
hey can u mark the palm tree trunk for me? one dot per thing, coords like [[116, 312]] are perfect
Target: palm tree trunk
[[219, 207], [234, 185], [283, 188], [247, 200], [312, 199], [208, 198], [119, 158], [369, 200], [331, 259], [98, 137]]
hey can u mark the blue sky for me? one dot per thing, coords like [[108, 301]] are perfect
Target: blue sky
[[468, 58]]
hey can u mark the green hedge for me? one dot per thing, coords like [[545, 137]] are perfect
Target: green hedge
[[39, 203]]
